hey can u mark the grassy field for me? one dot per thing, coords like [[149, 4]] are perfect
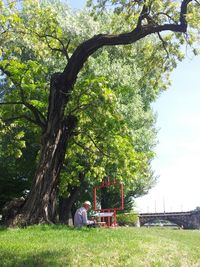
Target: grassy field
[[41, 246]]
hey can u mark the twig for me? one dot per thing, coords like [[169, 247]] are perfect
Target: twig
[[39, 117], [164, 44], [100, 150], [19, 117], [165, 14], [63, 50]]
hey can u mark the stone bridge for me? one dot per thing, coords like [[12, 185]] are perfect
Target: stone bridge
[[186, 220]]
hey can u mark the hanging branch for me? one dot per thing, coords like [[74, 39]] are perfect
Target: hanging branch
[[19, 117], [164, 44], [63, 50], [98, 148]]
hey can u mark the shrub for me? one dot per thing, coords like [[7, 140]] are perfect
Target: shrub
[[127, 219]]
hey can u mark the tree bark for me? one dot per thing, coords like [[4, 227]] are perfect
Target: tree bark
[[40, 205], [65, 204]]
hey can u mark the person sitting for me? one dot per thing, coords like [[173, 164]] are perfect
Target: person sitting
[[80, 217]]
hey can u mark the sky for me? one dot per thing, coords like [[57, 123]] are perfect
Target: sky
[[178, 152]]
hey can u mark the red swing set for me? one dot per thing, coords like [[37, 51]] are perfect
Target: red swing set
[[108, 215]]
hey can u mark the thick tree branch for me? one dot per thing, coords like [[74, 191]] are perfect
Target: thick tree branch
[[183, 12], [65, 81], [142, 16], [90, 46]]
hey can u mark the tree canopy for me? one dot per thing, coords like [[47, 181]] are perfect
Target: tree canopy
[[85, 99]]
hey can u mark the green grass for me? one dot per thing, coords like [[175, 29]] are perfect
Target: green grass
[[41, 246]]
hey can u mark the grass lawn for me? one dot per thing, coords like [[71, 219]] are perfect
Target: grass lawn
[[44, 245]]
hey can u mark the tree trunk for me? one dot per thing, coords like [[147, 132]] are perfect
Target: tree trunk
[[40, 204], [65, 204]]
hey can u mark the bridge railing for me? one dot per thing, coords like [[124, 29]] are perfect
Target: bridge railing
[[166, 213]]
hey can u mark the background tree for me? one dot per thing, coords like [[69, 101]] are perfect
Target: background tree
[[17, 163], [43, 34]]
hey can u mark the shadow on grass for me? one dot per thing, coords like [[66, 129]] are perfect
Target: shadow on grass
[[43, 227], [46, 258], [3, 228], [58, 227], [47, 227]]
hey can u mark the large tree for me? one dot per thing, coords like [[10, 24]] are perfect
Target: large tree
[[115, 133], [58, 127]]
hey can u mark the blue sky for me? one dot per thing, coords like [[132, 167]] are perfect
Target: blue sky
[[77, 4], [178, 152]]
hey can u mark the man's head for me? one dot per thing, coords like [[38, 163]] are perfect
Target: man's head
[[87, 205]]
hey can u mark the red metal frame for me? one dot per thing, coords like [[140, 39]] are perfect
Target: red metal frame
[[109, 210]]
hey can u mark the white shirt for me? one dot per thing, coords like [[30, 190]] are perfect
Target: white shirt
[[80, 218]]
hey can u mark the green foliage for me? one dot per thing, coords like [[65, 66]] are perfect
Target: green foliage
[[113, 94], [17, 164], [116, 132], [127, 219]]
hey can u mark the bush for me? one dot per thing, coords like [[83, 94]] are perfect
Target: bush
[[127, 219]]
